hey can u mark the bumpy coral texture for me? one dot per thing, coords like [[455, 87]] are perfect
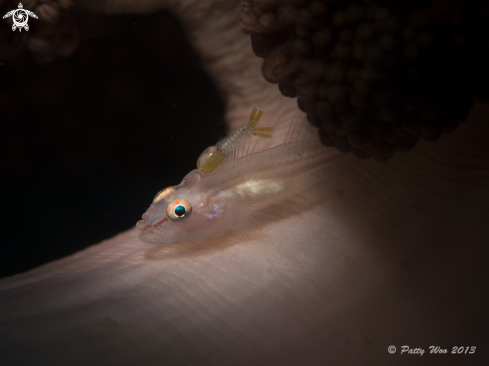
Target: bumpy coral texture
[[374, 76]]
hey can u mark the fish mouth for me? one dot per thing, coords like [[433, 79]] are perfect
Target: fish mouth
[[149, 234], [150, 222], [145, 223]]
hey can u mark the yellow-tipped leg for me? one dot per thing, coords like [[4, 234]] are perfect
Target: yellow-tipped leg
[[255, 117], [265, 135], [258, 116], [263, 129], [252, 117], [258, 132]]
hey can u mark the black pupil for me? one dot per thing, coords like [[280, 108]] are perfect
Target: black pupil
[[180, 211]]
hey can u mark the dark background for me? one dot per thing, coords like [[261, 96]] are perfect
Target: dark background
[[87, 141]]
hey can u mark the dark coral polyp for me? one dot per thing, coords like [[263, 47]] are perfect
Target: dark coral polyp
[[374, 76]]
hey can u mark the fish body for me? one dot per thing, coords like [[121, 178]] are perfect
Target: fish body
[[224, 200]]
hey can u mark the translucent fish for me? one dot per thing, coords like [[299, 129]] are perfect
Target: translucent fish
[[209, 205]]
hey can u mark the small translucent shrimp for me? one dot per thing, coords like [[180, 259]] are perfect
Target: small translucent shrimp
[[209, 205], [214, 156]]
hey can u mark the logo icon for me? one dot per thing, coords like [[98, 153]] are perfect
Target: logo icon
[[20, 17]]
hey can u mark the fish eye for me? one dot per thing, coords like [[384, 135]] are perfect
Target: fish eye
[[178, 210]]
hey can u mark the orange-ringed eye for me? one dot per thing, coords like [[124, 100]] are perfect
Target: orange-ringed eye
[[178, 210]]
